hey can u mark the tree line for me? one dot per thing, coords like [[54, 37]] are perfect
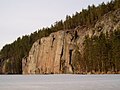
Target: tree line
[[102, 53]]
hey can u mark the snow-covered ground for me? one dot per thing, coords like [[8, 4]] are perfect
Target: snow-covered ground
[[60, 82]]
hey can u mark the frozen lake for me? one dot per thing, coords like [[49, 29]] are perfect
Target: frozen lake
[[59, 82]]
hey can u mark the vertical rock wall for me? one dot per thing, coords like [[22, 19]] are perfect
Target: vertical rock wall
[[51, 54]]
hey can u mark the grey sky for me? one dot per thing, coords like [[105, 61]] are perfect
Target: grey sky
[[20, 17]]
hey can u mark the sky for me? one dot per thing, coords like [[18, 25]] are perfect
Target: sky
[[22, 17]]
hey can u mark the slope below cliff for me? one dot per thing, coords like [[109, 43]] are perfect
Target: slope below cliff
[[80, 50]]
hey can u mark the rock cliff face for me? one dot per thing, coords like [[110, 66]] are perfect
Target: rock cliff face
[[54, 54], [51, 54]]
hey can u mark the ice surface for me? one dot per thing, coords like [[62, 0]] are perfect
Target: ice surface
[[60, 82]]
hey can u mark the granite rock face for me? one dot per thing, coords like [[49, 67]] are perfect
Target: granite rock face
[[51, 54]]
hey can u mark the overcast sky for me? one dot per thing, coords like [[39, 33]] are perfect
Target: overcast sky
[[21, 17]]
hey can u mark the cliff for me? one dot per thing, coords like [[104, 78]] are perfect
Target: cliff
[[51, 54], [64, 51]]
